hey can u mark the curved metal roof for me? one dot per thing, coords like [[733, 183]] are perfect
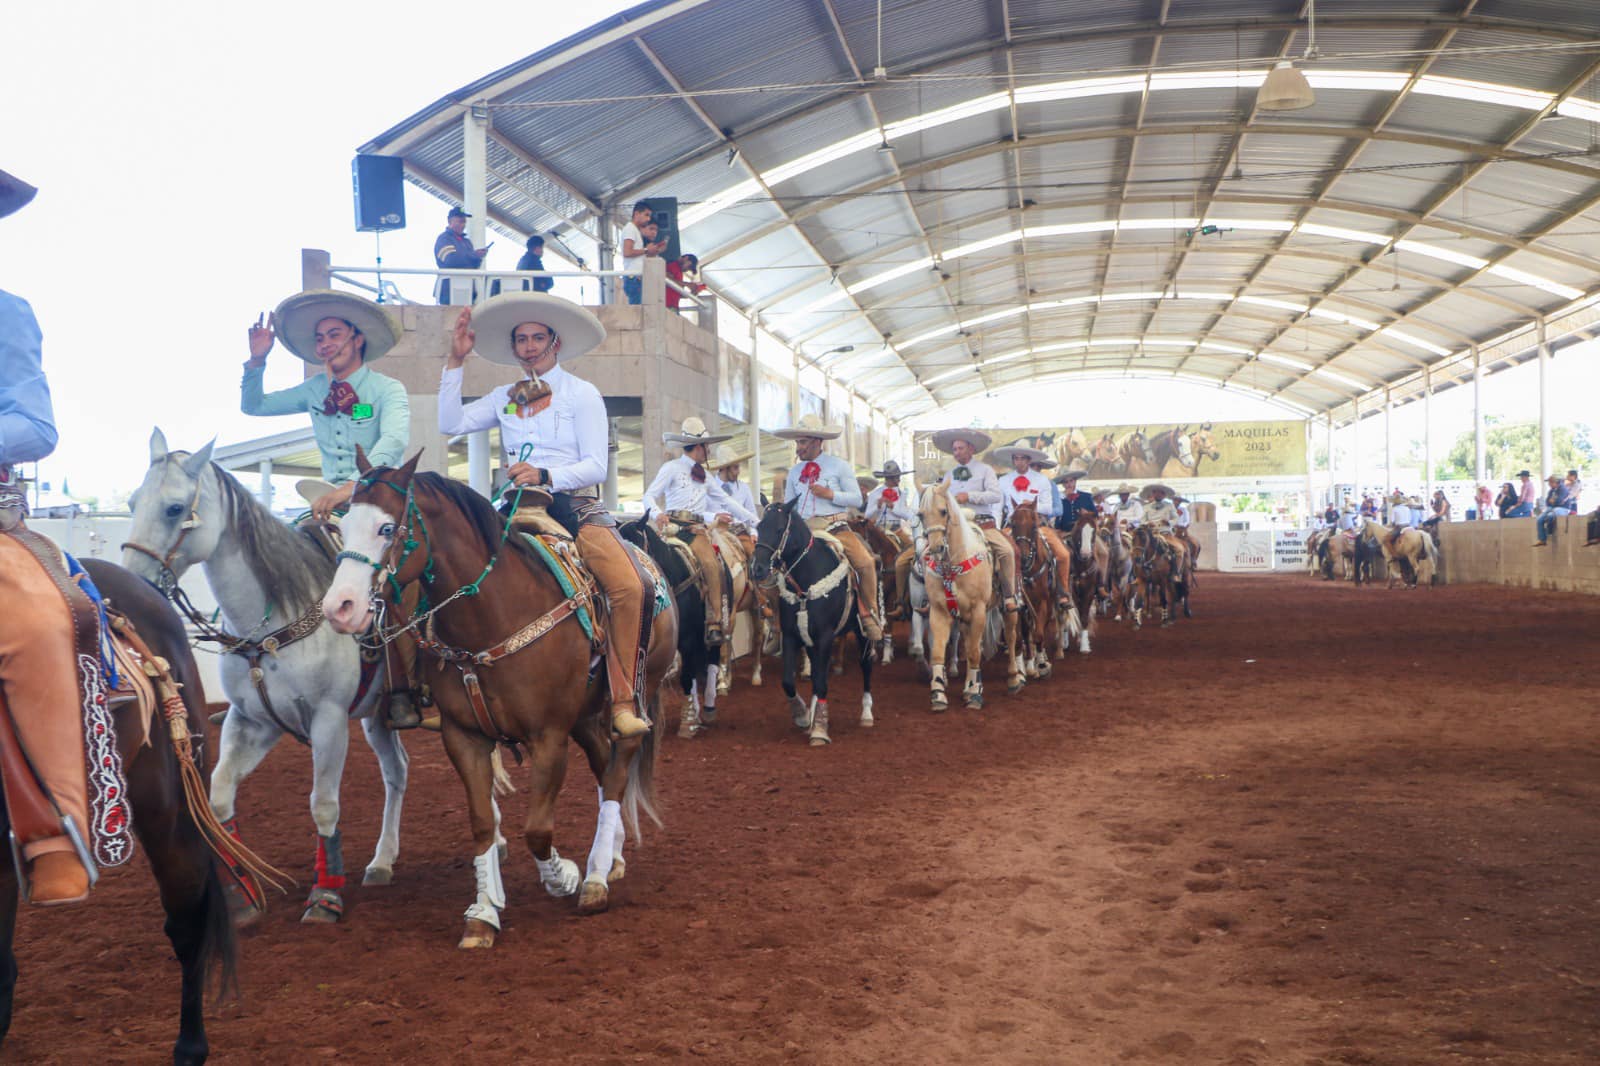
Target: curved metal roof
[[974, 193]]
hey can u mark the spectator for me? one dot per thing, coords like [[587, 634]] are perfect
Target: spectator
[[1482, 501], [635, 248], [1369, 507], [453, 251], [1558, 503], [1441, 511], [1330, 516], [1506, 501], [1525, 498], [1575, 487], [685, 270], [533, 259]]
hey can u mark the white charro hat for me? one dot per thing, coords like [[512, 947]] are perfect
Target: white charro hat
[[810, 426], [1152, 487], [1125, 488], [944, 439], [728, 454], [1006, 455], [14, 193], [1076, 473], [890, 469], [296, 322], [497, 318], [867, 483], [693, 432]]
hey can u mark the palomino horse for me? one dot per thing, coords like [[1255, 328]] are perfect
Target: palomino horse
[[962, 592], [1337, 547], [886, 549], [698, 665], [1071, 447], [1179, 453], [175, 845], [817, 604], [1410, 553], [288, 672], [1036, 589], [1163, 566], [747, 600], [515, 666]]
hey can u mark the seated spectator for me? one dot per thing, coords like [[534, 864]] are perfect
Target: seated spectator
[[1525, 498], [1482, 500], [1506, 501], [1441, 511], [1558, 503]]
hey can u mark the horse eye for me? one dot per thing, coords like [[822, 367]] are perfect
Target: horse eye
[[174, 510], [386, 531]]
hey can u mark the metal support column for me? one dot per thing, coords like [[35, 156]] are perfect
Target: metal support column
[[1388, 444], [608, 494], [1355, 426], [1546, 460], [1480, 453], [754, 411], [264, 493], [475, 172], [479, 463], [1427, 438], [608, 257], [1328, 423]]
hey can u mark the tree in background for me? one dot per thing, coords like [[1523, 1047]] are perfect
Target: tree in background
[[1510, 448]]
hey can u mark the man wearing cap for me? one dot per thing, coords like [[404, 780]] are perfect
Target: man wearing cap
[[555, 433], [39, 691], [823, 488], [686, 500], [973, 484], [453, 251], [1525, 497]]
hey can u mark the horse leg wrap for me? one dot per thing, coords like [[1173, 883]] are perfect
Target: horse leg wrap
[[330, 862], [559, 876], [491, 890], [602, 851]]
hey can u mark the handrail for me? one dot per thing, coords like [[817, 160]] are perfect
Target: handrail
[[343, 273]]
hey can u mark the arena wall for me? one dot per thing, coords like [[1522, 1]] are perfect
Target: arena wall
[[1502, 553]]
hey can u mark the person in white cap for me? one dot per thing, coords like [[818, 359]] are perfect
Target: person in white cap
[[684, 499], [973, 484], [891, 505], [555, 433], [1023, 484], [823, 489], [350, 404]]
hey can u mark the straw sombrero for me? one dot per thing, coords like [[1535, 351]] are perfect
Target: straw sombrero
[[728, 454], [296, 322], [14, 193], [809, 426], [1046, 463], [692, 432], [867, 483], [494, 320], [1125, 488], [1077, 473], [1005, 456], [944, 439], [890, 469], [1150, 489], [312, 489]]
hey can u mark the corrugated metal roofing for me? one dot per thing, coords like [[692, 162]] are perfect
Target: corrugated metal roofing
[[1494, 211]]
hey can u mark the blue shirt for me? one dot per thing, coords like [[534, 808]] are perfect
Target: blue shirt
[[383, 433], [453, 251], [27, 422], [833, 472], [1079, 502]]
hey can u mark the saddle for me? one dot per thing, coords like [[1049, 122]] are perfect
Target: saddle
[[533, 515]]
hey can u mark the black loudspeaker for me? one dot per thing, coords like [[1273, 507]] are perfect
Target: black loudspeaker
[[378, 182], [664, 209]]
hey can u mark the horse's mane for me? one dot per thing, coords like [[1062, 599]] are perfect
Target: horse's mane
[[673, 568], [481, 515], [292, 570]]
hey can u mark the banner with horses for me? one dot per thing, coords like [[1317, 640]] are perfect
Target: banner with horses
[[1166, 452]]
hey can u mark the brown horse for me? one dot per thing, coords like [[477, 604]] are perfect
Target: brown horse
[[511, 666], [1162, 565], [1180, 452], [1090, 564], [164, 821], [886, 549], [1036, 584]]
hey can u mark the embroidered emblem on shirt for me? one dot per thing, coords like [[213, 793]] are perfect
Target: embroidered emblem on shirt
[[341, 398], [961, 473]]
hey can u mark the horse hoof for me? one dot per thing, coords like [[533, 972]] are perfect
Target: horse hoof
[[594, 898], [820, 741], [378, 875], [708, 716], [866, 720], [1013, 688], [975, 703], [618, 870], [323, 908], [755, 680], [478, 935], [687, 731], [799, 713]]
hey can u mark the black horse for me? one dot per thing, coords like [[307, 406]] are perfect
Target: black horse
[[816, 606], [197, 911], [696, 659], [1368, 557]]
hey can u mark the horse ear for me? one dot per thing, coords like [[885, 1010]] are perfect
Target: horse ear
[[409, 470], [363, 465], [158, 446], [196, 463]]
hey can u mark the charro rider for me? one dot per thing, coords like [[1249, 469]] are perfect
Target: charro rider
[[824, 488], [554, 432], [42, 751], [350, 404], [1161, 514], [728, 462], [1023, 484], [973, 484], [1129, 512], [686, 500]]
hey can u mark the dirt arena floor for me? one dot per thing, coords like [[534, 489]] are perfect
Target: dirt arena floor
[[1314, 825]]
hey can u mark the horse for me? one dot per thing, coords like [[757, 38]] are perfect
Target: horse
[[1180, 453], [1314, 542], [288, 672], [1036, 589], [1105, 458], [1164, 566], [1411, 554], [1122, 588], [198, 922], [886, 549], [748, 599], [698, 665], [1139, 457], [816, 606], [965, 595], [1070, 447], [1368, 554], [515, 666], [1090, 566], [1337, 547]]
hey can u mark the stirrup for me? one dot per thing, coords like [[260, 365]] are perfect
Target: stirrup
[[625, 724]]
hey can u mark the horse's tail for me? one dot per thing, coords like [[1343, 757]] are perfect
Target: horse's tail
[[1429, 561], [219, 945], [640, 796]]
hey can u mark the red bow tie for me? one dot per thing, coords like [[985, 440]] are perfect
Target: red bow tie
[[1021, 484], [341, 398], [891, 496], [810, 472], [698, 472]]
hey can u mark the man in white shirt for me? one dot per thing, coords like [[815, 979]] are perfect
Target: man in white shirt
[[554, 430], [824, 490], [685, 501], [635, 248], [893, 506], [1023, 484], [973, 484], [1129, 511]]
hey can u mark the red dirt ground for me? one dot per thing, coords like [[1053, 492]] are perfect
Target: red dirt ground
[[1316, 824]]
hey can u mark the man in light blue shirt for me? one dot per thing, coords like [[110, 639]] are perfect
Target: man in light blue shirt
[[349, 403], [824, 489]]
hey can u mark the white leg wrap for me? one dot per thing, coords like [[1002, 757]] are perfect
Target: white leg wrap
[[603, 850], [491, 890], [559, 876], [1083, 642], [866, 708]]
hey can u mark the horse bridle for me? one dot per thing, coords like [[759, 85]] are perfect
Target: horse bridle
[[167, 578], [779, 561], [387, 566]]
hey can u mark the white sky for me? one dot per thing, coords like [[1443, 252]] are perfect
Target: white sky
[[186, 152]]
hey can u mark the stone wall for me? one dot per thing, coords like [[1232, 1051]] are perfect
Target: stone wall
[[1502, 553]]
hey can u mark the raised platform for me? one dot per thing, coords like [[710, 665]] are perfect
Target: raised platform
[[1502, 553]]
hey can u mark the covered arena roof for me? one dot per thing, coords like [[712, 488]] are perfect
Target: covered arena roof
[[977, 193]]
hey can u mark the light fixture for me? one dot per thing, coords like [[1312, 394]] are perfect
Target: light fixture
[[884, 146], [1286, 88], [733, 155]]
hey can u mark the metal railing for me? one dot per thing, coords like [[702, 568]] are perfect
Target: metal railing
[[485, 283]]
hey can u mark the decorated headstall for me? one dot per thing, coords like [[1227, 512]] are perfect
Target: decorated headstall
[[167, 578], [386, 569]]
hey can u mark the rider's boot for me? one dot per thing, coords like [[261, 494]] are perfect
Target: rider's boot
[[705, 552], [402, 711]]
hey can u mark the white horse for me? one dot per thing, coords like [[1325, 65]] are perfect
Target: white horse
[[266, 577]]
